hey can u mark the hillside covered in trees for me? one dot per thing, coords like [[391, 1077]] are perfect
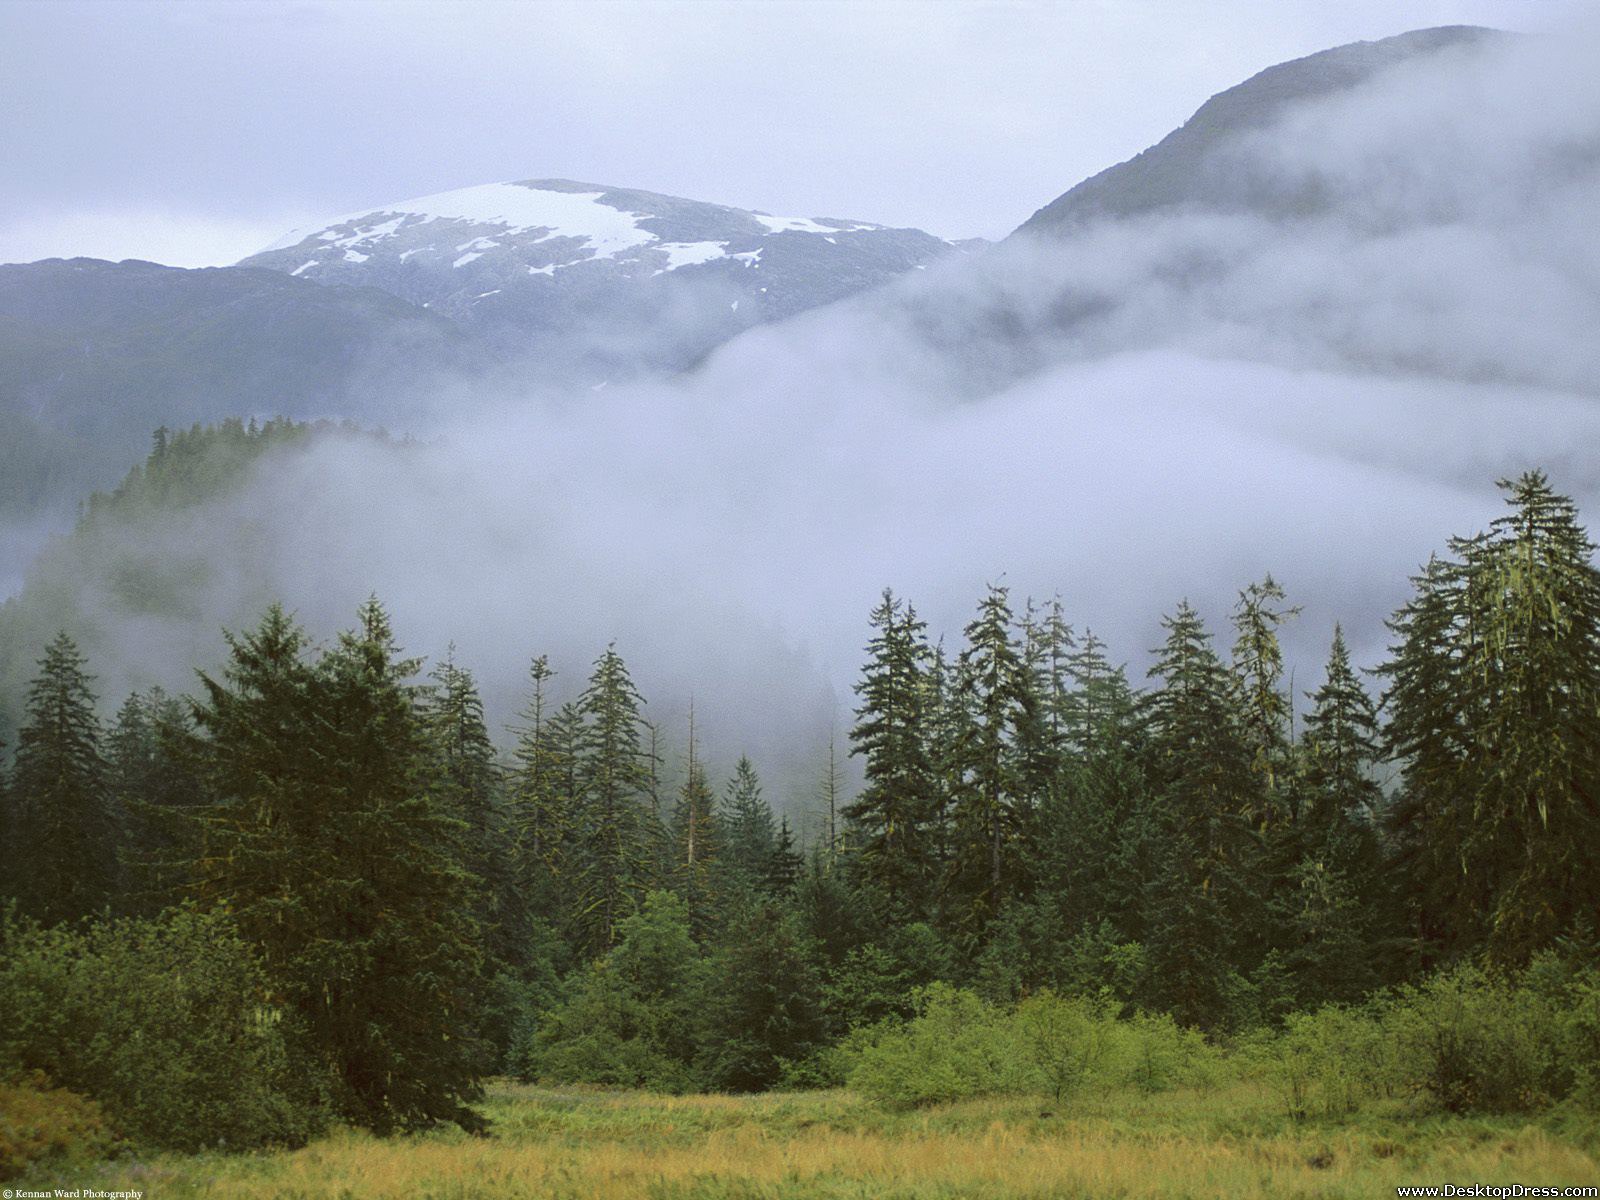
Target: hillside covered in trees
[[344, 898]]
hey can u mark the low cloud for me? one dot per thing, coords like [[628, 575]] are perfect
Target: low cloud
[[1151, 410]]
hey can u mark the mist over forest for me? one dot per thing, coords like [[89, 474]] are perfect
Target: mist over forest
[[1315, 366], [714, 702]]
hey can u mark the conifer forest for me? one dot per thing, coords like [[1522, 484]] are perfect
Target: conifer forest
[[319, 890]]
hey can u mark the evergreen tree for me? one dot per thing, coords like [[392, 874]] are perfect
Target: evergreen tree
[[1429, 703], [784, 864], [330, 843], [1265, 709], [998, 774], [944, 724], [470, 790], [1496, 714], [890, 817], [1538, 824], [695, 837], [764, 1005], [541, 796], [1049, 647], [613, 844], [1099, 707], [156, 792], [1342, 742], [831, 784], [466, 758], [61, 822], [1202, 909], [748, 832], [1333, 903]]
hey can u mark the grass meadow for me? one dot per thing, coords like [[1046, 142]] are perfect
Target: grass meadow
[[599, 1145]]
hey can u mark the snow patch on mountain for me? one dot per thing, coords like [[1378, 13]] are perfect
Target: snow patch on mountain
[[808, 225], [689, 254], [518, 208]]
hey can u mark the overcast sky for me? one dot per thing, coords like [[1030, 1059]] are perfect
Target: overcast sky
[[195, 133]]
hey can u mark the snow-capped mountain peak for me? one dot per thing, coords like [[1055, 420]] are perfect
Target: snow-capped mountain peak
[[555, 263]]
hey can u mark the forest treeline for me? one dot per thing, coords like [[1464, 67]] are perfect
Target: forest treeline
[[318, 889]]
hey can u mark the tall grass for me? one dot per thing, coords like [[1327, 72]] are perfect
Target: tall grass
[[562, 1145]]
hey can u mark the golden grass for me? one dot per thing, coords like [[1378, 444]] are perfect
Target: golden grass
[[557, 1145]]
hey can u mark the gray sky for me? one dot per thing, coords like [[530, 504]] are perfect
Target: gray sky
[[194, 133]]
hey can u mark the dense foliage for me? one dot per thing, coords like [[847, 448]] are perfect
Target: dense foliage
[[1049, 878], [168, 1024]]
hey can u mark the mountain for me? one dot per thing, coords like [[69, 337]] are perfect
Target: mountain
[[96, 355], [1375, 207], [596, 280], [1191, 166]]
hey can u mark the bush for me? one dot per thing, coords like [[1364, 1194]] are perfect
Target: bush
[[1154, 1053], [1581, 1037], [1571, 984], [1477, 1042], [1068, 1041], [956, 1047], [39, 1122], [1328, 1062], [165, 1023], [626, 1020]]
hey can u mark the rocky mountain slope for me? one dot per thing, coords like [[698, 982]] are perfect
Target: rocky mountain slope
[[1190, 167]]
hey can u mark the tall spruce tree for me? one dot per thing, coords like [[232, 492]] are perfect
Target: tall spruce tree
[[61, 821], [748, 830], [998, 771], [612, 836], [831, 784], [454, 713], [1333, 901], [785, 863], [471, 788], [889, 819], [1429, 704], [1342, 742], [1495, 703], [1099, 712], [1539, 817], [695, 836], [1048, 649], [1265, 708], [541, 796], [1095, 831], [764, 1008], [156, 790], [1202, 910], [330, 843]]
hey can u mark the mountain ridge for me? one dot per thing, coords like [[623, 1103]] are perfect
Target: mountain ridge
[[1181, 169]]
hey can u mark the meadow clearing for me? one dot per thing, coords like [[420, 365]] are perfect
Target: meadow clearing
[[577, 1144]]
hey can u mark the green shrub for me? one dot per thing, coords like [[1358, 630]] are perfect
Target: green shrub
[[39, 1123], [1068, 1041], [956, 1047], [959, 1046], [166, 1023], [1477, 1042], [1581, 1038], [1154, 1053], [1327, 1062], [628, 1019]]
